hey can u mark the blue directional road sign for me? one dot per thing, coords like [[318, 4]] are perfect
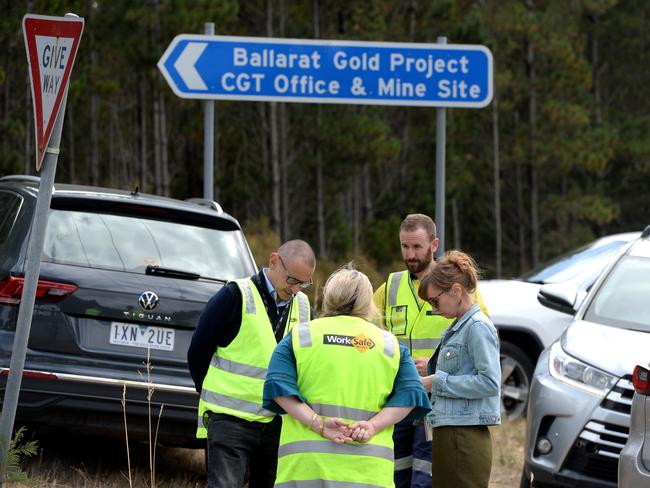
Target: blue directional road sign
[[315, 71]]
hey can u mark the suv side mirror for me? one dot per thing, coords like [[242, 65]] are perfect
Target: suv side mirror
[[560, 296]]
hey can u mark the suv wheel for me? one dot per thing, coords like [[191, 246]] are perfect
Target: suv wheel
[[516, 372]]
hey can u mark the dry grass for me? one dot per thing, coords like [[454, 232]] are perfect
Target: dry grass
[[508, 441], [66, 461]]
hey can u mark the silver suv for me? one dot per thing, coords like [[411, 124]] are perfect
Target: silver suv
[[581, 393], [634, 465]]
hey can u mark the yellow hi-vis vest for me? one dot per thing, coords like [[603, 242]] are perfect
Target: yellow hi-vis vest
[[235, 379], [346, 368], [411, 320]]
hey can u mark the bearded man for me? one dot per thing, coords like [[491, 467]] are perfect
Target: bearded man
[[416, 326]]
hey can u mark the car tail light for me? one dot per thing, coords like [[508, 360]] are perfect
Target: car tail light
[[32, 374], [641, 381], [11, 289]]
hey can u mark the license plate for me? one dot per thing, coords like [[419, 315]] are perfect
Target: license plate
[[145, 336]]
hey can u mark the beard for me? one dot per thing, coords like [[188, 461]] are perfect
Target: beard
[[416, 266]]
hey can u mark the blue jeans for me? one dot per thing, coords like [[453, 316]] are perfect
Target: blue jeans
[[235, 444], [412, 456]]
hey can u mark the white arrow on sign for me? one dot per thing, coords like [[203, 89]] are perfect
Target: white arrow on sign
[[185, 65]]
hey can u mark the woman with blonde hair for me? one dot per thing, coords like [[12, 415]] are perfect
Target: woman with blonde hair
[[344, 383], [465, 377]]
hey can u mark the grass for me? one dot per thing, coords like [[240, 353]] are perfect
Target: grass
[[66, 461], [508, 441]]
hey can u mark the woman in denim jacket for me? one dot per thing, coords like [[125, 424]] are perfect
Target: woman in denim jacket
[[465, 386]]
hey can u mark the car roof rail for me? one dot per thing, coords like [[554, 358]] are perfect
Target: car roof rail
[[206, 203], [646, 232], [33, 179]]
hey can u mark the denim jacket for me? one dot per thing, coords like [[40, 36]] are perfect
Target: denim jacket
[[467, 383]]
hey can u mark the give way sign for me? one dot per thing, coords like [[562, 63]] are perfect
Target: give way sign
[[51, 44]]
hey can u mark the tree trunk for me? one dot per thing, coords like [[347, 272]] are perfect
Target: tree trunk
[[406, 128], [455, 219], [94, 123], [163, 164], [144, 177], [157, 147], [521, 217], [367, 194], [596, 71], [71, 160], [276, 222], [320, 202], [532, 155], [497, 187], [164, 148], [355, 194], [283, 110]]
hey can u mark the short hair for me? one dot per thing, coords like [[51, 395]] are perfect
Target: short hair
[[349, 292], [413, 222], [297, 249], [454, 267]]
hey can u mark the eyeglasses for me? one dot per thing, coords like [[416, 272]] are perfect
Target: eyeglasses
[[434, 300], [294, 281]]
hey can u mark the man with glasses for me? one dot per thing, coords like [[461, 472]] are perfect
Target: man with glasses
[[228, 357], [416, 326]]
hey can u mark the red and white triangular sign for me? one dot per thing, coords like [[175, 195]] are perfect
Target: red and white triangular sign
[[51, 44]]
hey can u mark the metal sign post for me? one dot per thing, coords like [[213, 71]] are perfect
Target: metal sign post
[[51, 44], [208, 138], [441, 145]]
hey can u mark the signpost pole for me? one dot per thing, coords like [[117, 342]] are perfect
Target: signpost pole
[[208, 137], [32, 271], [441, 141], [51, 45]]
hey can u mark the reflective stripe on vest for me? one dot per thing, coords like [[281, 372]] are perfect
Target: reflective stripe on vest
[[234, 382], [238, 368], [342, 412], [411, 320], [303, 308], [328, 447], [323, 484], [235, 404]]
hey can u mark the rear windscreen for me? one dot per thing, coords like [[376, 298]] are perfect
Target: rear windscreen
[[129, 244]]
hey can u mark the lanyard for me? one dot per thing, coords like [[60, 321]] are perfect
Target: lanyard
[[281, 318]]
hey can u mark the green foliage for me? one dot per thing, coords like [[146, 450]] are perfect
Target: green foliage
[[572, 114], [19, 450]]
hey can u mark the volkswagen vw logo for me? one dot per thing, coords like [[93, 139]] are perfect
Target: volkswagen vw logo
[[148, 300]]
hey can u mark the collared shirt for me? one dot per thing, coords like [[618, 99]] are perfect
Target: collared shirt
[[219, 325], [272, 292]]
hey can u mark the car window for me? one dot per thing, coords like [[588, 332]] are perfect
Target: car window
[[9, 207], [582, 264], [623, 300], [130, 244]]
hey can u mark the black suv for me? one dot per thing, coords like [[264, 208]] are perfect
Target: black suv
[[124, 277]]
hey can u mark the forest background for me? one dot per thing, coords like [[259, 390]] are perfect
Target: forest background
[[560, 156]]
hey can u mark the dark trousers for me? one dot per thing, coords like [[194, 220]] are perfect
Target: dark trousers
[[235, 444], [462, 456], [412, 456]]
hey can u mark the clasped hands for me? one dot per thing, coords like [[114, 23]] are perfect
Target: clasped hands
[[340, 431]]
